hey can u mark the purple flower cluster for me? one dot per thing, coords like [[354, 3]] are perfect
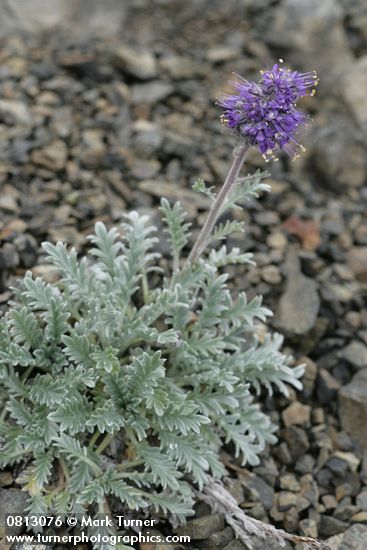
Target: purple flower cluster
[[265, 113]]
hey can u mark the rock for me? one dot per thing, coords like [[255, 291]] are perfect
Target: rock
[[337, 465], [27, 248], [9, 204], [12, 111], [202, 528], [347, 485], [334, 542], [309, 528], [221, 54], [267, 470], [353, 407], [235, 488], [271, 274], [147, 138], [258, 491], [286, 500], [354, 538], [26, 546], [309, 489], [12, 501], [344, 512], [152, 92], [53, 156], [327, 387], [8, 256], [361, 500], [355, 353], [289, 483], [297, 441], [330, 502], [144, 169], [353, 88], [305, 464], [266, 543], [47, 272], [235, 545], [299, 305], [300, 27], [296, 413], [220, 538], [140, 64], [338, 154], [277, 240], [359, 517], [310, 375], [351, 459], [6, 479], [331, 526], [357, 261], [306, 230], [182, 67], [41, 16]]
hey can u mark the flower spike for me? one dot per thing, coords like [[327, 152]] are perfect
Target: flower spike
[[265, 114]]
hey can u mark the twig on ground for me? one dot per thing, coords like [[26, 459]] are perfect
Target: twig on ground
[[221, 501]]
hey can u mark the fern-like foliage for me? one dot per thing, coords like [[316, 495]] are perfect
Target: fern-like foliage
[[114, 388]]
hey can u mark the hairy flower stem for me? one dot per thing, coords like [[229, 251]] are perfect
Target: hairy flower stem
[[239, 154]]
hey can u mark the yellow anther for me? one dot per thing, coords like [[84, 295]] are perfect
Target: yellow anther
[[313, 92]]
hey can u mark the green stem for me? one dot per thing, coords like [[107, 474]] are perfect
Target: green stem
[[216, 207], [3, 414], [104, 443], [27, 373], [131, 464], [64, 468], [94, 438], [145, 288]]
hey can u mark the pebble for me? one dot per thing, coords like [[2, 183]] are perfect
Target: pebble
[[286, 500], [331, 526], [220, 538], [361, 500], [53, 156], [13, 500], [327, 387], [357, 261], [256, 489], [277, 240], [151, 93], [355, 354], [138, 63], [309, 528], [354, 538], [9, 204], [201, 528], [353, 407], [271, 274], [9, 256], [296, 413], [299, 305], [15, 111]]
